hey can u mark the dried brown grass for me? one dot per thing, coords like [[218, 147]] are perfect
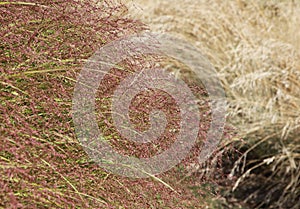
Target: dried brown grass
[[255, 46]]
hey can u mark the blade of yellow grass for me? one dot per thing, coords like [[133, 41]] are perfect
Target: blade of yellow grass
[[23, 3]]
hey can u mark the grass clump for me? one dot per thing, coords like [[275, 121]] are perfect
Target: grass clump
[[42, 47], [42, 165], [254, 45]]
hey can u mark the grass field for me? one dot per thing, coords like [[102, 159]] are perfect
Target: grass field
[[254, 46]]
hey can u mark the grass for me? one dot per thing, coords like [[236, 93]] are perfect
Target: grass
[[42, 165], [254, 45]]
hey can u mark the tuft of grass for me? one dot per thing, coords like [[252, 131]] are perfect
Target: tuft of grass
[[43, 45]]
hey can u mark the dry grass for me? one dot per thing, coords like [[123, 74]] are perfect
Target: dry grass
[[255, 46]]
